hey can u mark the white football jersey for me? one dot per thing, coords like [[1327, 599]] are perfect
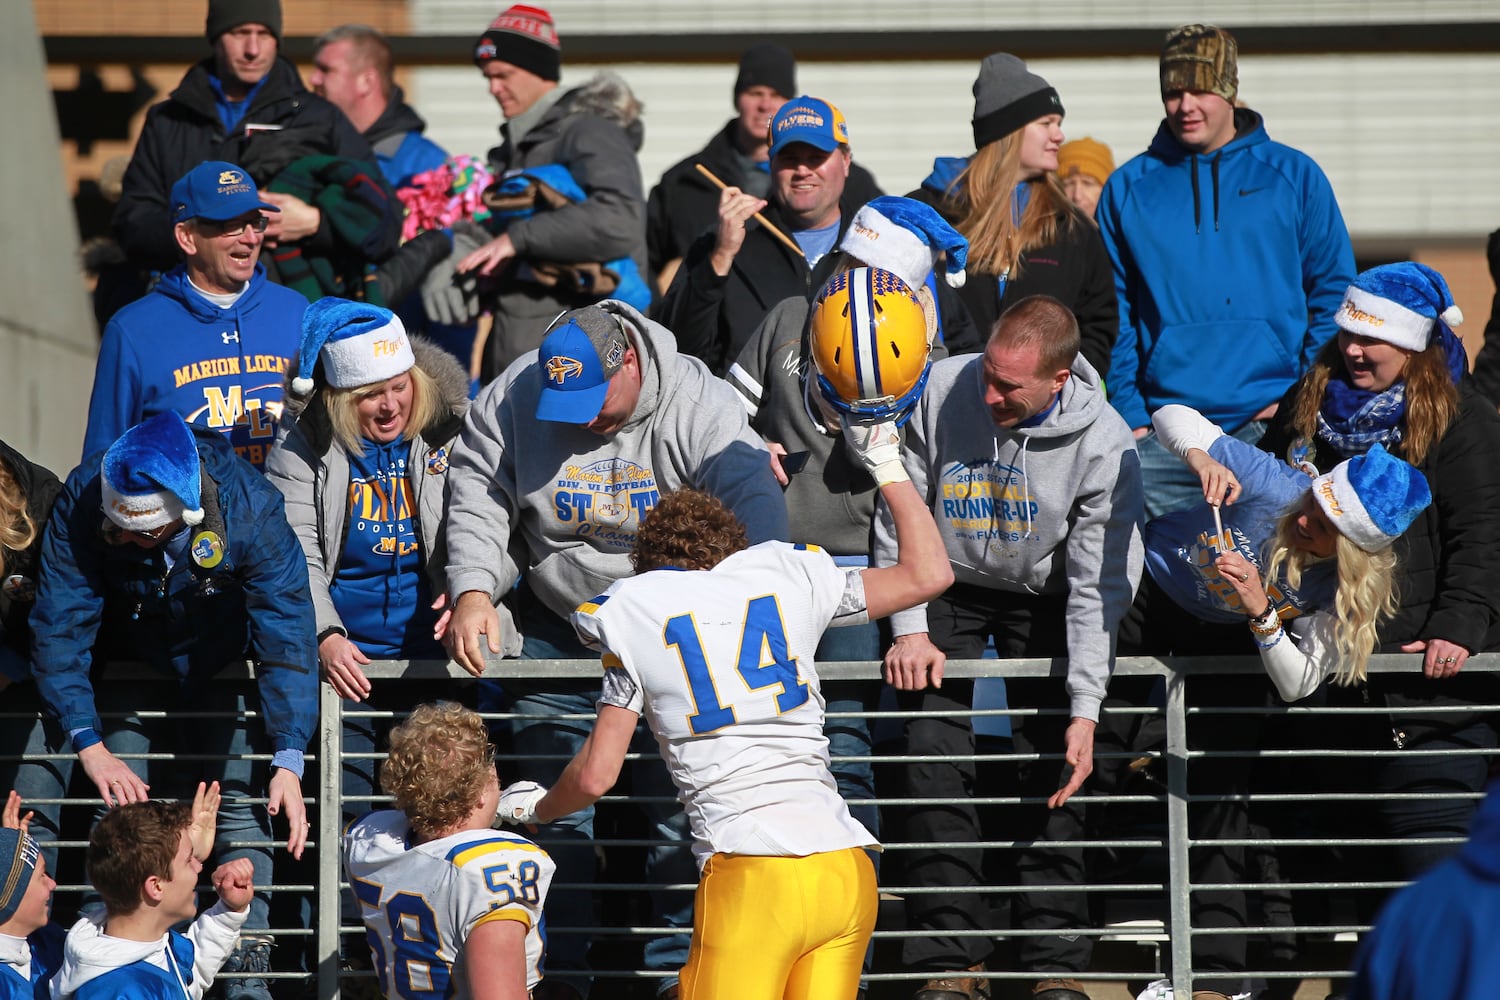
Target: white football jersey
[[420, 902], [721, 664]]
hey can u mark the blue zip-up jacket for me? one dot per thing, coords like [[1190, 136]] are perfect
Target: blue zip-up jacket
[[121, 602], [1436, 938], [219, 368], [1229, 268]]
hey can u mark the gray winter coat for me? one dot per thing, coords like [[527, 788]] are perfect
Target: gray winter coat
[[311, 469]]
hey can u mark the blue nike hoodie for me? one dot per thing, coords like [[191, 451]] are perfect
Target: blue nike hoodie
[[1229, 267]]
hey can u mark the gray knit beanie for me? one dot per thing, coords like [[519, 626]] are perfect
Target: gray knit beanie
[[225, 15], [1007, 96]]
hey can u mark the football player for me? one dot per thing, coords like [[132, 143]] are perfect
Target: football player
[[713, 642], [450, 906]]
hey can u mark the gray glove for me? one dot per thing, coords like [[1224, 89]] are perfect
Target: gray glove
[[447, 296]]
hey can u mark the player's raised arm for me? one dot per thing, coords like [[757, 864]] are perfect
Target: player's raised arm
[[922, 570]]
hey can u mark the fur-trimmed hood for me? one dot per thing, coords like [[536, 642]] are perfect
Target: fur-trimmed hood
[[607, 95]]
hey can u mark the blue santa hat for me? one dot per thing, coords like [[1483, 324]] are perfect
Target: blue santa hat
[[150, 475], [906, 237], [360, 344], [1372, 498], [1404, 304]]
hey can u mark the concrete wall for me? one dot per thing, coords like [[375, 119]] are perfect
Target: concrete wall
[[47, 337]]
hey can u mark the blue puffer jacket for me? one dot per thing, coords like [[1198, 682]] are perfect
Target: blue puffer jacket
[[1229, 268], [122, 603]]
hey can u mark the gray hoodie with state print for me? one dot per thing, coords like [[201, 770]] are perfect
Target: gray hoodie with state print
[[1047, 509], [567, 502]]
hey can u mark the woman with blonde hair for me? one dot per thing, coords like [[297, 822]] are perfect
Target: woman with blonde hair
[[1396, 376], [27, 492], [362, 462], [1306, 561], [1025, 236]]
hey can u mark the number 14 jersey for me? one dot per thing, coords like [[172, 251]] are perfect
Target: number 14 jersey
[[720, 662]]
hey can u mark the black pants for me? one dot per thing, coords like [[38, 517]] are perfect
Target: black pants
[[960, 623]]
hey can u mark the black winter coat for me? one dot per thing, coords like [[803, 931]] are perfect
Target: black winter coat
[[1075, 270], [685, 204], [1447, 585], [184, 130], [18, 595]]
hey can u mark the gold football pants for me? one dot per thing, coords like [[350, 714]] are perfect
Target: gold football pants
[[781, 928]]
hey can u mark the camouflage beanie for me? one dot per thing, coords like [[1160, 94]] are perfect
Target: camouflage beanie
[[1201, 58]]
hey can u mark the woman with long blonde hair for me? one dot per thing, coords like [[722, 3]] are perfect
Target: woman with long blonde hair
[[27, 492], [1306, 561], [1396, 375], [1025, 236]]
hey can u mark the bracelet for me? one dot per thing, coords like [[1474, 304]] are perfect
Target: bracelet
[[1265, 640], [332, 630], [1268, 622]]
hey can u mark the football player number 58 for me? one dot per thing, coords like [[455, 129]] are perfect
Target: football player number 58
[[764, 632]]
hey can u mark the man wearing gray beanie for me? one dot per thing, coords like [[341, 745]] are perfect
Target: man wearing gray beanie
[[244, 104]]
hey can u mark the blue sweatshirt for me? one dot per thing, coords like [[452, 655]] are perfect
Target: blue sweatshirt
[[380, 590], [219, 368], [1229, 268], [44, 950], [1180, 549]]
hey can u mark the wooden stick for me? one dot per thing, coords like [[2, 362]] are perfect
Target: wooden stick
[[783, 237]]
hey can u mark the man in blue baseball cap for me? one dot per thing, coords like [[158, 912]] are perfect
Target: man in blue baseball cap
[[559, 460], [733, 274], [213, 339]]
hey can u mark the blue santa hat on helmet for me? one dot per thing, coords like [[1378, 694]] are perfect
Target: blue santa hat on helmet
[[360, 344], [150, 476], [906, 237], [1372, 498], [1405, 304]]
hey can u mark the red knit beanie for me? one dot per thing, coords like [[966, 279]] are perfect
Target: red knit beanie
[[522, 36]]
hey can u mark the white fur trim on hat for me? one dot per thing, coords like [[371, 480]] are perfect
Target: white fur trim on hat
[[877, 241], [1369, 315], [145, 511], [1340, 501], [369, 357]]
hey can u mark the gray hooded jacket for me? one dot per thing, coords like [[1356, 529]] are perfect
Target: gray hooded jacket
[[568, 502], [1049, 509]]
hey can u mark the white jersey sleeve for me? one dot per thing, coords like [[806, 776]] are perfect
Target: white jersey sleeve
[[419, 904]]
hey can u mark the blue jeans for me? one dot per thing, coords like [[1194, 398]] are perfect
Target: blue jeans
[[850, 737], [27, 732], [1169, 484], [545, 743]]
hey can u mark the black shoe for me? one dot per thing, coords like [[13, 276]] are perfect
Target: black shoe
[[1058, 989], [958, 987]]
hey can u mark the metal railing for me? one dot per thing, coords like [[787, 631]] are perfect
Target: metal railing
[[1159, 886]]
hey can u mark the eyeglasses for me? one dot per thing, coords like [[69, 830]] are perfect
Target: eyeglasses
[[116, 535], [235, 227]]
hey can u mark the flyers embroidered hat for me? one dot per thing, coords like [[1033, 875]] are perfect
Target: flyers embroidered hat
[[216, 191], [809, 120]]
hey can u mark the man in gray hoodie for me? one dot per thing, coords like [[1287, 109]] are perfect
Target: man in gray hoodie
[[558, 462], [1035, 485]]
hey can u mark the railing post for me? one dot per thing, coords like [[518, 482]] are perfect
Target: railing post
[[330, 814], [1179, 883]]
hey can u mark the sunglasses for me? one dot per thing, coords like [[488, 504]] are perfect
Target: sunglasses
[[116, 535], [234, 227]]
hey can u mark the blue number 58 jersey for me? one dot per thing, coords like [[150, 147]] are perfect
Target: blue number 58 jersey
[[420, 903]]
